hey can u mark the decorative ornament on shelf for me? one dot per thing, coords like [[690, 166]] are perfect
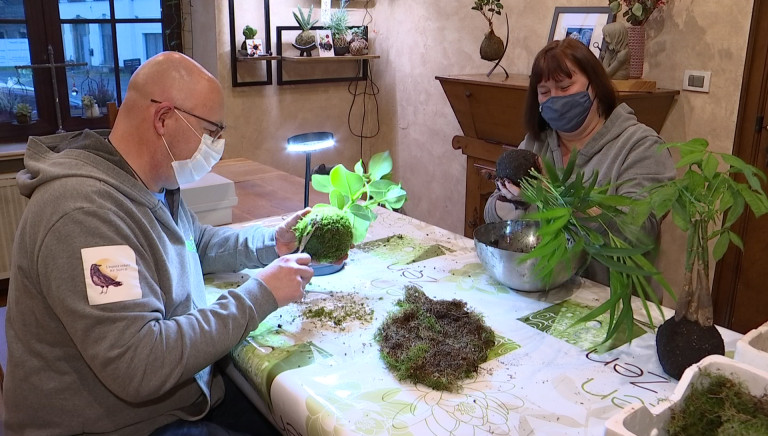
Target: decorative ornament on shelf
[[636, 13], [305, 41], [337, 24], [23, 113], [358, 43], [492, 48], [90, 107], [249, 33]]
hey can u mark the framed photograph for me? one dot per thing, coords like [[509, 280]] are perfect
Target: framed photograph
[[255, 47], [582, 23], [324, 42]]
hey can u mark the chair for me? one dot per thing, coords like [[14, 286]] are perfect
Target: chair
[[112, 112]]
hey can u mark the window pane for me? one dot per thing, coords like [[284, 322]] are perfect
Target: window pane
[[12, 9], [69, 9], [136, 42], [15, 85], [137, 9], [90, 43]]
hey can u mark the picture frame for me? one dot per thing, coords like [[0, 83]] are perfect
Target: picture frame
[[255, 47], [324, 42], [582, 23]]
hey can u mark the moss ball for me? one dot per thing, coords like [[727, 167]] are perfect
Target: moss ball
[[332, 236], [516, 164]]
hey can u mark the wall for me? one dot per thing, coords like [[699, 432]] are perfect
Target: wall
[[419, 40]]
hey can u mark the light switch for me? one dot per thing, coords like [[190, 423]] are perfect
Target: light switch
[[696, 80]]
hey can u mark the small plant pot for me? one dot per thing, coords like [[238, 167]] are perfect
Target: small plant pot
[[91, 112], [752, 348], [638, 419], [23, 119], [340, 51]]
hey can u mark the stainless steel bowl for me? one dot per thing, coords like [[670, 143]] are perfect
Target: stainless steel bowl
[[500, 246]]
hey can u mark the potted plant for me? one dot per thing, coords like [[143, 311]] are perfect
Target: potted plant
[[573, 212], [249, 33], [492, 47], [358, 43], [337, 25], [306, 38], [90, 107], [704, 203], [354, 194], [23, 113]]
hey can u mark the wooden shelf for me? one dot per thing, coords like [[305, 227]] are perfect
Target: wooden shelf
[[257, 58], [328, 58]]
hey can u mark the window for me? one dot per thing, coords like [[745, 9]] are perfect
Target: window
[[102, 41]]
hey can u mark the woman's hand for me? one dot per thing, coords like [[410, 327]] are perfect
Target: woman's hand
[[285, 239], [508, 189]]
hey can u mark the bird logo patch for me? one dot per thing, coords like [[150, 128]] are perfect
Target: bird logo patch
[[111, 274]]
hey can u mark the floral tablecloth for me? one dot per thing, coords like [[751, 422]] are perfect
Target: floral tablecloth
[[317, 375]]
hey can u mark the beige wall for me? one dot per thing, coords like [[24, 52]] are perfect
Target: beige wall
[[419, 40]]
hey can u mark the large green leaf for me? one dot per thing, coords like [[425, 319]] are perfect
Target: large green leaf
[[350, 184], [380, 165], [321, 183]]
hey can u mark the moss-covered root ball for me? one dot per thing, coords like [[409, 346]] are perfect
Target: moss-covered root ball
[[516, 164], [332, 236]]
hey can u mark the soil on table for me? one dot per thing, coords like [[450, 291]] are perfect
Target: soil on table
[[680, 344], [437, 343]]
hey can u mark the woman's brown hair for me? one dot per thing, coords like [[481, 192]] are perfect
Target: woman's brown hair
[[550, 63]]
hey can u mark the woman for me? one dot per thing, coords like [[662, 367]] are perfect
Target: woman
[[571, 106]]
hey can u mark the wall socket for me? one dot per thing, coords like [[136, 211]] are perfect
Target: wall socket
[[696, 80]]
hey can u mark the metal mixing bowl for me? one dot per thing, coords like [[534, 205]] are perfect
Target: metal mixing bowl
[[500, 246]]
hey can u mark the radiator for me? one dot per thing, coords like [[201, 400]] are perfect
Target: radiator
[[11, 206]]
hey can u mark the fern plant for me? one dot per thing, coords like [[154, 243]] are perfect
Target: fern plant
[[574, 212]]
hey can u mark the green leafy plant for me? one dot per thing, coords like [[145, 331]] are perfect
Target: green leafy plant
[[638, 11], [357, 192], [574, 212], [705, 203], [249, 32], [337, 24], [88, 101], [306, 37], [489, 9], [23, 109]]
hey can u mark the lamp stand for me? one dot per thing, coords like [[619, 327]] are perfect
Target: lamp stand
[[307, 178]]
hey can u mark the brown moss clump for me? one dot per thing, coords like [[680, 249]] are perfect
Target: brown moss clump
[[719, 406], [437, 343]]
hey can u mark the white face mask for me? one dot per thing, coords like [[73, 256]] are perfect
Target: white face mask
[[207, 154]]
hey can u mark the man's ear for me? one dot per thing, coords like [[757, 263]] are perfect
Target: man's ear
[[160, 115]]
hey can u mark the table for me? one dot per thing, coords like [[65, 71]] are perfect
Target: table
[[315, 378]]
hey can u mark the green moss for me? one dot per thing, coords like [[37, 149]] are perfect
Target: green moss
[[414, 345], [332, 236], [719, 405]]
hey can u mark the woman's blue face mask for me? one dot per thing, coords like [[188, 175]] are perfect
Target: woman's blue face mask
[[567, 113]]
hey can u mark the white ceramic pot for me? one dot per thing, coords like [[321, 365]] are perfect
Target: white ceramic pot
[[638, 420], [93, 111], [752, 349]]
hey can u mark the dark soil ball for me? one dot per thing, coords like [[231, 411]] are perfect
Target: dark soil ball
[[680, 344], [516, 164]]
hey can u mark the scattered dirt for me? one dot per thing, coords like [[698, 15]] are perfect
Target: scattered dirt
[[437, 343]]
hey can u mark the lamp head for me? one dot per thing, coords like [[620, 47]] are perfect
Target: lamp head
[[309, 142]]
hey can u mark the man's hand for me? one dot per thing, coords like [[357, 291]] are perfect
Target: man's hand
[[285, 239], [287, 277]]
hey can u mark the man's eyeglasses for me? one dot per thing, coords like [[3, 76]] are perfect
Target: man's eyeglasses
[[219, 126]]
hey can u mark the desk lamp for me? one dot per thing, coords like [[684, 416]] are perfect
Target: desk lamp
[[307, 143]]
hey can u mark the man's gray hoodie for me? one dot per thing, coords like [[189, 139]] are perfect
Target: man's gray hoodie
[[107, 325]]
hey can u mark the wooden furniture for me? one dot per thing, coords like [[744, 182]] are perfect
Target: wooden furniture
[[263, 191], [490, 112]]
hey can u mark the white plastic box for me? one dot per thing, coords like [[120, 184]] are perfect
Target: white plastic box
[[752, 349], [211, 198], [636, 420]]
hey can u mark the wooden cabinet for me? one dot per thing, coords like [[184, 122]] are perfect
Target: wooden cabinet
[[490, 112]]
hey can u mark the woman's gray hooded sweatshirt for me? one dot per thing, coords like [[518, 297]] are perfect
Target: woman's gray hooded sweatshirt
[[108, 327]]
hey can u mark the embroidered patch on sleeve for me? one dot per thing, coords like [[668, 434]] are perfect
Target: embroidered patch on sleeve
[[111, 274]]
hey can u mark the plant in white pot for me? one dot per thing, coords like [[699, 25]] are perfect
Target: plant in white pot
[[704, 203], [90, 107]]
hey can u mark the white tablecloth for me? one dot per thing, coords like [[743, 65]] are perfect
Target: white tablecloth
[[542, 378]]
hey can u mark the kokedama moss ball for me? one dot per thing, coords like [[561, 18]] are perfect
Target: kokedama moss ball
[[516, 164], [332, 236]]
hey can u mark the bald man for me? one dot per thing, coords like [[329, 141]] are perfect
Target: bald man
[[108, 327]]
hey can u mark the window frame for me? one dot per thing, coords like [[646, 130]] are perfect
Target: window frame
[[44, 27]]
